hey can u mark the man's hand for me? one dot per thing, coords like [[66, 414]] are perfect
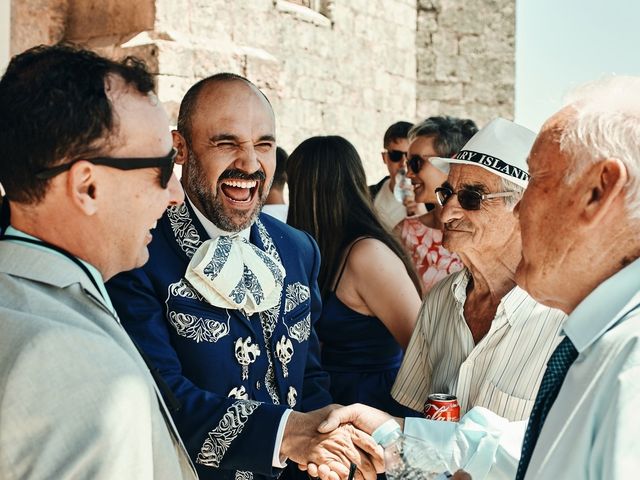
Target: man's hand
[[361, 416], [332, 452]]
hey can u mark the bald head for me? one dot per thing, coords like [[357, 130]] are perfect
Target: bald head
[[189, 104]]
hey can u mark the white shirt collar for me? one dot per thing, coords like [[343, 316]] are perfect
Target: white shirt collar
[[212, 230], [604, 306]]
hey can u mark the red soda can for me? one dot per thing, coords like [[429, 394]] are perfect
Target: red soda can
[[443, 407]]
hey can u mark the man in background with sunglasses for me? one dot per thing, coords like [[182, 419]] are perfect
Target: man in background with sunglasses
[[390, 211], [478, 336], [87, 168]]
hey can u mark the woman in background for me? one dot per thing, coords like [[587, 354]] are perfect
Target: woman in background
[[422, 236], [371, 294]]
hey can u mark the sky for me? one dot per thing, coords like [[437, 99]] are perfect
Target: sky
[[564, 43]]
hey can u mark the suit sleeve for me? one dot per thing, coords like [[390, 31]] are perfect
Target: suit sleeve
[[315, 391], [75, 407], [218, 431]]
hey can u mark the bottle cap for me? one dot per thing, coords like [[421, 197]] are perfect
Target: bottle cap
[[387, 432]]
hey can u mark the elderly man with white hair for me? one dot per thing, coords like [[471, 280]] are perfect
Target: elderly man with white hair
[[478, 336], [580, 222]]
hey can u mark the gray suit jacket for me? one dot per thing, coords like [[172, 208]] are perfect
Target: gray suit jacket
[[76, 398]]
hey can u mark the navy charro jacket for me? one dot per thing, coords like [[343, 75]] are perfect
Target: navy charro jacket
[[233, 376]]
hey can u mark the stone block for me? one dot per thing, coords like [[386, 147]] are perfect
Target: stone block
[[36, 22], [425, 64], [215, 22], [441, 91], [489, 93], [452, 69], [147, 52], [429, 5], [427, 23], [454, 109], [491, 70], [171, 89], [88, 19], [426, 108], [262, 68], [173, 16], [207, 61], [175, 59], [445, 42]]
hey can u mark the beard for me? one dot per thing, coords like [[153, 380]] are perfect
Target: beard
[[224, 217]]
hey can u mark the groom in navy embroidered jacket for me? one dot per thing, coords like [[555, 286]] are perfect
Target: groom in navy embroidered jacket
[[226, 304]]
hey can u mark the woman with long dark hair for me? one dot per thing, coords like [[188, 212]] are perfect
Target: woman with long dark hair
[[371, 294]]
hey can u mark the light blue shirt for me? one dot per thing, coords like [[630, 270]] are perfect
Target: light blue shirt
[[95, 274], [601, 309], [592, 429]]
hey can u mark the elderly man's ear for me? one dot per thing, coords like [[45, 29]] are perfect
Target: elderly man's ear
[[180, 144], [602, 188]]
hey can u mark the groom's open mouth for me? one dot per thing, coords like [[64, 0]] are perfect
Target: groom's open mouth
[[239, 192]]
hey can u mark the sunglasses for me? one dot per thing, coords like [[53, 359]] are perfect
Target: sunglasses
[[415, 163], [396, 155], [468, 199], [165, 164]]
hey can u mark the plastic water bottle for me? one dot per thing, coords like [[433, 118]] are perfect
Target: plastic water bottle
[[403, 188], [407, 457]]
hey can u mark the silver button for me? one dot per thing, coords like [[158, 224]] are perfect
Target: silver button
[[258, 385]]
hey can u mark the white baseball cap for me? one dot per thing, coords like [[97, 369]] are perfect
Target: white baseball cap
[[502, 147]]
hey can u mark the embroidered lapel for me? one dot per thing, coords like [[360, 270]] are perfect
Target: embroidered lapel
[[269, 318]]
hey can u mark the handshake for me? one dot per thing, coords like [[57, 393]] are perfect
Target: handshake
[[328, 441]]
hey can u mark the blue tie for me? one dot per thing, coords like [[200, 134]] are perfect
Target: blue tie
[[557, 368]]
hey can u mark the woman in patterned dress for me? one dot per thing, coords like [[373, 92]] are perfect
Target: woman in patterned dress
[[422, 235], [370, 291]]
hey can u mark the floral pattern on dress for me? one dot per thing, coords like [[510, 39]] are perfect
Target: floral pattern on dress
[[433, 262]]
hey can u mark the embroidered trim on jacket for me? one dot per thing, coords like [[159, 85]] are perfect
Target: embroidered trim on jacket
[[301, 330], [231, 425], [192, 326], [184, 231], [269, 319], [296, 294]]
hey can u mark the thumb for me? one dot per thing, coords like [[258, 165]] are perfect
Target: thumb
[[336, 418]]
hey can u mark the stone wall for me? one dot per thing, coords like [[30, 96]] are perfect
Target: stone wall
[[346, 67], [466, 58]]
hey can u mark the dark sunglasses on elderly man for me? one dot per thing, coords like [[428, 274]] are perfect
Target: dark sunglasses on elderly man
[[165, 164], [468, 199], [396, 155]]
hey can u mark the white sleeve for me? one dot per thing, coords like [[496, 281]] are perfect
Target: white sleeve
[[482, 443], [276, 461]]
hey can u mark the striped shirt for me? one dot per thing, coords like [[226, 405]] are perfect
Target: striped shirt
[[502, 372]]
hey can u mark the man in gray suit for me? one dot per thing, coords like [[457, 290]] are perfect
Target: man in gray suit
[[87, 164]]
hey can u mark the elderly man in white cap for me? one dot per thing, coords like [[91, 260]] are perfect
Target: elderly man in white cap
[[478, 336]]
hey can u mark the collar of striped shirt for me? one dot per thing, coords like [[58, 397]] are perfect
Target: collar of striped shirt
[[512, 302]]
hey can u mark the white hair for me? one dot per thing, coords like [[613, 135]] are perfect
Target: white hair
[[509, 186], [606, 124]]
